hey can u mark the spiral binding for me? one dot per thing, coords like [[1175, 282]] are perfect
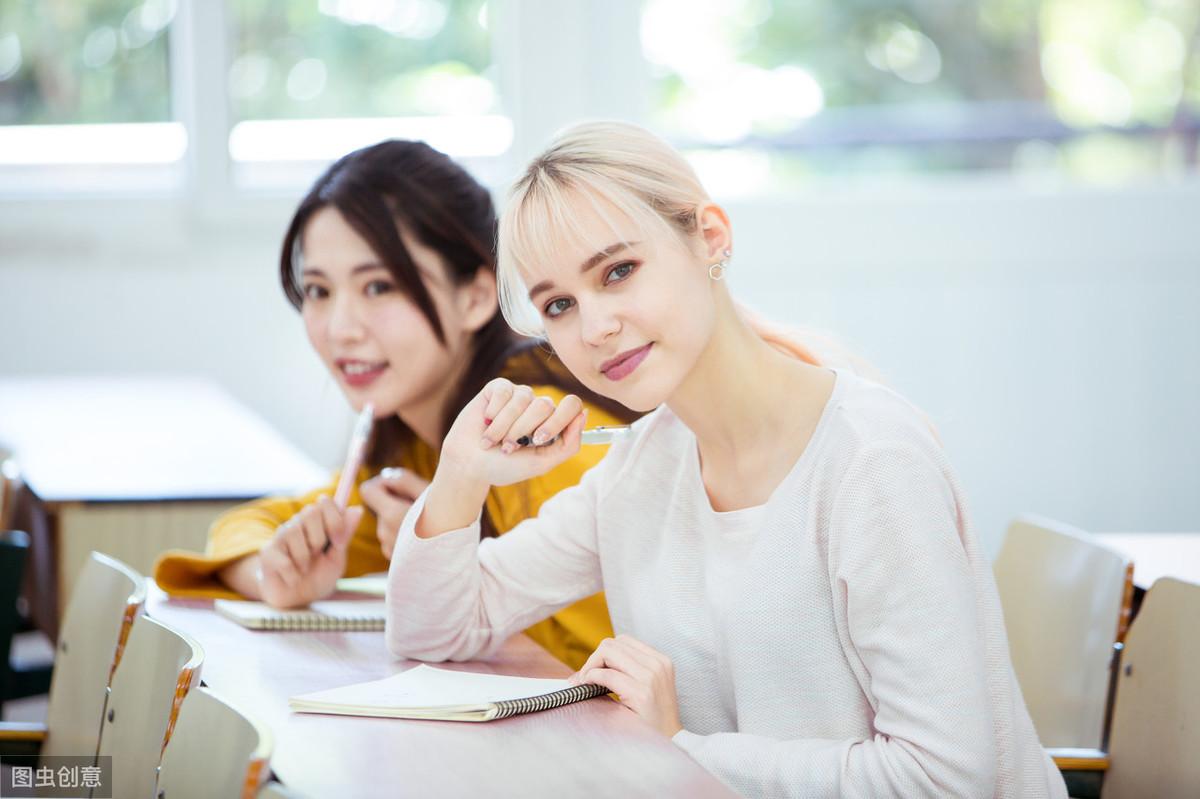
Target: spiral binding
[[576, 693], [323, 623]]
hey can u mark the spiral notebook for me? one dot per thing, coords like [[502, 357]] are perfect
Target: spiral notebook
[[425, 692], [346, 615]]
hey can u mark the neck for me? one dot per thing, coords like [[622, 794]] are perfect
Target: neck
[[743, 394]]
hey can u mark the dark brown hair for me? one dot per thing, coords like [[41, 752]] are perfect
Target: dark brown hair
[[408, 184]]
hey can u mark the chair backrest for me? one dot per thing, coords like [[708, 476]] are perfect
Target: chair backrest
[[14, 546], [1066, 601], [1155, 743], [215, 752], [107, 597], [10, 486], [160, 665]]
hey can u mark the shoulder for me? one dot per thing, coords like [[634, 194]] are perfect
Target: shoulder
[[869, 420]]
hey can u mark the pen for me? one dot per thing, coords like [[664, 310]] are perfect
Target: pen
[[594, 435], [354, 457]]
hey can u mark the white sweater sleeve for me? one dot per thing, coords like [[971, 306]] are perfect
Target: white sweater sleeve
[[912, 634], [453, 597]]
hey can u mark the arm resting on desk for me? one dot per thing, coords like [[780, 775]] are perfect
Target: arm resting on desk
[[226, 568]]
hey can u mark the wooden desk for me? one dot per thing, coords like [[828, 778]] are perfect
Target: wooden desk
[[131, 466], [1157, 555], [595, 748]]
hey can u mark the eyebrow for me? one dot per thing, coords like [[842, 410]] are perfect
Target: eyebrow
[[611, 249], [367, 267]]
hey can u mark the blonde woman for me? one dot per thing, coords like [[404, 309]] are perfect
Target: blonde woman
[[798, 596]]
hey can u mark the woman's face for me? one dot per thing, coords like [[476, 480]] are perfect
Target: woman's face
[[629, 320], [370, 335]]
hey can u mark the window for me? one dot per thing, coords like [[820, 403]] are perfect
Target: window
[[770, 93], [311, 81], [86, 82]]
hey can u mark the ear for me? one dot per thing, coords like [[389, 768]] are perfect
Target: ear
[[715, 231], [477, 299]]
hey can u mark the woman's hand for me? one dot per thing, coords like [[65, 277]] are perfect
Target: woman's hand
[[642, 677], [481, 450], [295, 568], [482, 443], [389, 495]]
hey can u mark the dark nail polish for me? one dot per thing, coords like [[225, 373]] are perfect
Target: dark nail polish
[[523, 441]]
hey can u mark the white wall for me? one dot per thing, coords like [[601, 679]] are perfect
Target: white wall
[[1051, 334]]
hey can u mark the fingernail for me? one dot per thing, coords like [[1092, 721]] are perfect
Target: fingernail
[[391, 472], [539, 438], [487, 421], [508, 447], [485, 443], [523, 441]]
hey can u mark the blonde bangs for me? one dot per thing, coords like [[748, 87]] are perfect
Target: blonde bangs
[[548, 216]]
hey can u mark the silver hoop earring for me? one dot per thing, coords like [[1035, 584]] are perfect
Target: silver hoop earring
[[717, 270]]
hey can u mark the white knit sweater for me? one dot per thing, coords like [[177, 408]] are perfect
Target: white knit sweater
[[844, 639]]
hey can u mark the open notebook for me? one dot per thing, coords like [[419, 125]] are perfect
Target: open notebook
[[425, 692], [329, 614]]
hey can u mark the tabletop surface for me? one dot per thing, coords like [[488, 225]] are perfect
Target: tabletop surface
[[1157, 555], [593, 748], [144, 438]]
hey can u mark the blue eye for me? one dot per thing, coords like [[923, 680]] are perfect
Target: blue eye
[[556, 307], [314, 292], [619, 272]]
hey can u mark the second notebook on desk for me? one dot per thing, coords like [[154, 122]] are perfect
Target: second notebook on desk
[[425, 692], [347, 615]]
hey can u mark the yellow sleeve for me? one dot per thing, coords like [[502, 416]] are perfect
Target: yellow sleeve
[[572, 634], [244, 530]]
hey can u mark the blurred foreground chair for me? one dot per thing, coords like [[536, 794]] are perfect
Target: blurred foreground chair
[[107, 597], [158, 669], [18, 678], [214, 752]]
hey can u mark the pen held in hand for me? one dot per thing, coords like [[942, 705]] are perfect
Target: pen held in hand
[[354, 458], [595, 435]]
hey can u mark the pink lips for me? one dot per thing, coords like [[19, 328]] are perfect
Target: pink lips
[[623, 365]]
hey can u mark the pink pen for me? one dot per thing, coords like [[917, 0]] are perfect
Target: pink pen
[[354, 458]]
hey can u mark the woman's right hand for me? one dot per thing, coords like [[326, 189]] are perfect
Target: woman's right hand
[[295, 567], [481, 450], [482, 443]]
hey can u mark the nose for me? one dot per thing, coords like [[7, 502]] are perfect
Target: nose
[[597, 322], [344, 322]]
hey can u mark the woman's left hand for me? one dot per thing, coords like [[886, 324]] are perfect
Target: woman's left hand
[[389, 495], [642, 677]]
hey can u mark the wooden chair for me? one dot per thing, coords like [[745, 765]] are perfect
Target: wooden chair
[[1154, 748], [160, 665], [17, 679], [107, 597], [1066, 603], [214, 752]]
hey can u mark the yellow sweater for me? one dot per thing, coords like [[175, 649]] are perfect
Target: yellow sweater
[[571, 635]]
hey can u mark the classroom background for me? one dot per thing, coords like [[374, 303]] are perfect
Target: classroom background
[[995, 202]]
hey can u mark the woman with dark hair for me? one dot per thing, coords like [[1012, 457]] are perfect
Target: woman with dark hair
[[390, 261]]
